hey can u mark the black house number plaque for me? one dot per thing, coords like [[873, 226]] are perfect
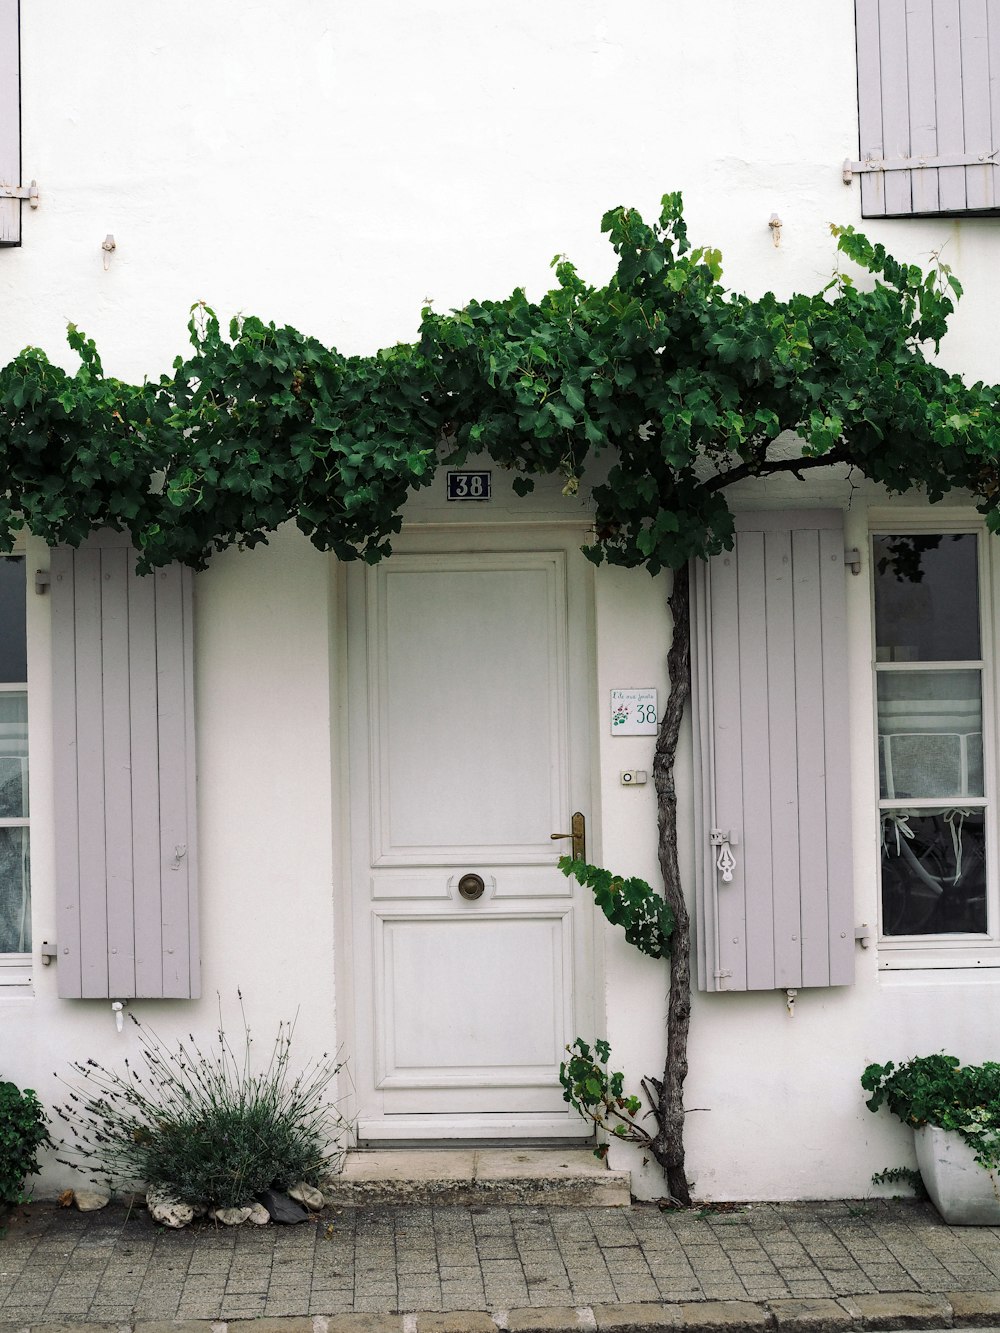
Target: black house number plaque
[[468, 485]]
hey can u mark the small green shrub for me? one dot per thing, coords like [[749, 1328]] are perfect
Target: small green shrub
[[598, 1094], [22, 1133], [205, 1127], [902, 1175], [939, 1090]]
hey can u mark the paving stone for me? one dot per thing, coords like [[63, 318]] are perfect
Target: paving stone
[[711, 1315], [637, 1318], [899, 1310], [364, 1323], [263, 1325], [172, 1326], [456, 1321], [975, 1309], [75, 1327], [557, 1319], [822, 1315]]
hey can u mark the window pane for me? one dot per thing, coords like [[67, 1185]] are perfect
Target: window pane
[[926, 598], [13, 754], [13, 651], [15, 895], [933, 872], [930, 726]]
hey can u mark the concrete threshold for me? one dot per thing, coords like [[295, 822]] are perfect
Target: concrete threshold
[[560, 1176]]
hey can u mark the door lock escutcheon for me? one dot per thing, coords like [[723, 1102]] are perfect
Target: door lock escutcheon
[[471, 887], [579, 835]]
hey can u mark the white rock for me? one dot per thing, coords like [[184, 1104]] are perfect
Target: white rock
[[232, 1217], [307, 1195], [89, 1201], [168, 1210], [259, 1215]]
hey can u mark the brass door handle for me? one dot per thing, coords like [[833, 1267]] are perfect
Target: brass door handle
[[579, 836]]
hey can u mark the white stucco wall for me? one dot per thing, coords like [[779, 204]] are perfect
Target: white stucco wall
[[332, 166]]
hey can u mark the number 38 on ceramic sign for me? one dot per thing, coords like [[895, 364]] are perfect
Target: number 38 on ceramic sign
[[633, 712]]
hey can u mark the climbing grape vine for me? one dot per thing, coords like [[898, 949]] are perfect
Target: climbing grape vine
[[685, 385]]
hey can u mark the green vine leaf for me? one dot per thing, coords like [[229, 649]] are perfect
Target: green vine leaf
[[646, 918]]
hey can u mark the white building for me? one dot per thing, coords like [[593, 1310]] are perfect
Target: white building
[[365, 738]]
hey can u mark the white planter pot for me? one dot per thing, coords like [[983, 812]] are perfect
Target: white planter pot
[[963, 1192]]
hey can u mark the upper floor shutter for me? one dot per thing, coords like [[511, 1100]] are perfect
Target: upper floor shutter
[[928, 91], [771, 757], [123, 720], [10, 120]]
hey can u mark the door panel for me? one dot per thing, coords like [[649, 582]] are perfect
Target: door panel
[[469, 748]]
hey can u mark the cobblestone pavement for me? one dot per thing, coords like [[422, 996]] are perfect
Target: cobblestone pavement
[[63, 1266]]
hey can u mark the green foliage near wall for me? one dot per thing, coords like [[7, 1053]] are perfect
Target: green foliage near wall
[[631, 903], [685, 383]]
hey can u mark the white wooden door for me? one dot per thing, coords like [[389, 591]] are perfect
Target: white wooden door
[[468, 673]]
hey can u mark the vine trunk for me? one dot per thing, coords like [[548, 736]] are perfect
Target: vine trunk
[[668, 1144]]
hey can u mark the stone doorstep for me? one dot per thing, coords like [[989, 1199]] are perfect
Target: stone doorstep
[[564, 1176]]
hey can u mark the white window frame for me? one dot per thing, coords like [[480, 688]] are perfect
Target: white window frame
[[16, 968], [912, 952]]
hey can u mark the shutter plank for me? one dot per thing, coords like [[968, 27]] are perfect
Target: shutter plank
[[706, 934], [836, 720], [190, 779], [781, 680], [976, 102], [172, 740], [923, 103], [65, 790], [993, 56], [895, 103], [870, 104], [811, 743], [948, 98], [144, 745], [726, 774], [90, 776], [115, 705], [757, 849], [10, 120]]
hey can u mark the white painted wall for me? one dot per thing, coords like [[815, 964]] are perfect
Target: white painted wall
[[332, 166]]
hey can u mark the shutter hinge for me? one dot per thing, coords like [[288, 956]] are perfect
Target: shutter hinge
[[49, 953], [871, 164], [43, 580], [863, 934], [29, 192], [852, 559], [721, 976]]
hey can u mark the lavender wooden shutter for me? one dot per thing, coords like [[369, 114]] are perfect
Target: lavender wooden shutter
[[124, 775], [928, 78], [771, 746], [10, 121]]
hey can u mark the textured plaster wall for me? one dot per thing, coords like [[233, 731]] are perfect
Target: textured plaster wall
[[333, 166]]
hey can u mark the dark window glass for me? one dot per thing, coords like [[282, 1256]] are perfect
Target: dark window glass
[[13, 650], [926, 597], [933, 872]]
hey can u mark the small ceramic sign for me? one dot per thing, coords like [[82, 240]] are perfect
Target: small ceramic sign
[[633, 712]]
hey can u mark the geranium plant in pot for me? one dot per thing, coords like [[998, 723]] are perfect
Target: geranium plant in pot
[[954, 1110]]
